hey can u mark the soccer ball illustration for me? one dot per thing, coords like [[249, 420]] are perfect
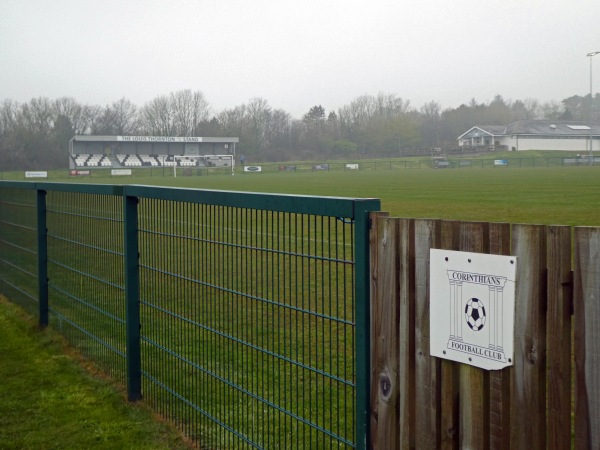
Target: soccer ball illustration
[[475, 314]]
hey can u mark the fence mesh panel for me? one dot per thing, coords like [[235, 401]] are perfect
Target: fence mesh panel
[[232, 314], [86, 276], [18, 247], [247, 324]]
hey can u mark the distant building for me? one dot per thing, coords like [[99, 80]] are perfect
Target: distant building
[[533, 135]]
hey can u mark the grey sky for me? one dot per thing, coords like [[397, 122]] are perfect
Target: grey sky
[[298, 54]]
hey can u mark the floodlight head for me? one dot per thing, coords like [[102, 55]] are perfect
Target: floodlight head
[[592, 54]]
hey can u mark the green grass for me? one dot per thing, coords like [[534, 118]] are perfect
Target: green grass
[[554, 195], [535, 188], [48, 401]]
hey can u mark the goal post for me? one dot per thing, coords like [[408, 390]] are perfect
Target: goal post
[[208, 161]]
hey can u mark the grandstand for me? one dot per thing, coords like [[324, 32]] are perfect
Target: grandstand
[[131, 152]]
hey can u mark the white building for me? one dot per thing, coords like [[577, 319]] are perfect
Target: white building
[[533, 135]]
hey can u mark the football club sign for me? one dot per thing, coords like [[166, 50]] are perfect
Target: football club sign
[[472, 307]]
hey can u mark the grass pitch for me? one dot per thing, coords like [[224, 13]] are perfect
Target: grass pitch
[[554, 195]]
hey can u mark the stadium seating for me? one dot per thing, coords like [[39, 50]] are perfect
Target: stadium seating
[[87, 160], [148, 160], [185, 162], [80, 160], [133, 161], [165, 160]]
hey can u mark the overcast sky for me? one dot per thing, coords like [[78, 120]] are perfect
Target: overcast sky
[[297, 54]]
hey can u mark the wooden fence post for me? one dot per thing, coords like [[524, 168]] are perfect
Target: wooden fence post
[[474, 382], [528, 387], [384, 333], [499, 379], [427, 369], [406, 332], [450, 370], [587, 338], [560, 288]]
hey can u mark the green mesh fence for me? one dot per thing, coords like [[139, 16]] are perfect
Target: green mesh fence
[[85, 271], [243, 318], [18, 246]]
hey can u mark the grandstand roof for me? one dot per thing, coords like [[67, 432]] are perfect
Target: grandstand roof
[[88, 138]]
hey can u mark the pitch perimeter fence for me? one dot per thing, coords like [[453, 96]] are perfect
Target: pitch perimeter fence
[[242, 317], [452, 162]]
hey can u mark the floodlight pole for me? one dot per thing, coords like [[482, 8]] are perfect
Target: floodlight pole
[[591, 55]]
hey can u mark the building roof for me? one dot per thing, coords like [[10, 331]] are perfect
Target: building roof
[[535, 128], [552, 128], [481, 130], [88, 138], [494, 130]]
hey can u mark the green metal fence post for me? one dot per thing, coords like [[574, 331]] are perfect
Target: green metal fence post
[[42, 250], [363, 320], [132, 289]]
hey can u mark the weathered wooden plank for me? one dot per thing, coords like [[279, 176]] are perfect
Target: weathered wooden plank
[[474, 382], [450, 370], [406, 332], [587, 337], [560, 288], [384, 333], [499, 379], [427, 368], [528, 377]]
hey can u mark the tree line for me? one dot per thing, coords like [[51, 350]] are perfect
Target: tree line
[[35, 135]]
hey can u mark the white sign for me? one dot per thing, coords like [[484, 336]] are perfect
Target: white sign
[[158, 139], [321, 167], [352, 166], [36, 174], [120, 172], [252, 168], [501, 162], [472, 308]]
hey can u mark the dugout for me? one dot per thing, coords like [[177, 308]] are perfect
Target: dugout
[[137, 151]]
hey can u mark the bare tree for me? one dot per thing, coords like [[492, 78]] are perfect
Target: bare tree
[[389, 105], [280, 128], [37, 115], [91, 117], [552, 110], [157, 117], [376, 121], [232, 120], [120, 118], [180, 113], [189, 109], [431, 114], [8, 116], [259, 120], [533, 106], [125, 117], [68, 107]]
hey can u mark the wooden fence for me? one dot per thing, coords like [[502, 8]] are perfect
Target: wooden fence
[[549, 398]]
